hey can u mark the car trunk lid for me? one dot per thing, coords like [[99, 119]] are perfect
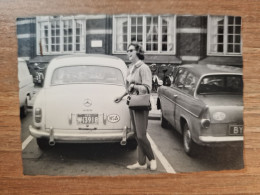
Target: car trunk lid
[[86, 106], [224, 108]]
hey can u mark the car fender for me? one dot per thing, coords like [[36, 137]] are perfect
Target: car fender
[[39, 103], [191, 121]]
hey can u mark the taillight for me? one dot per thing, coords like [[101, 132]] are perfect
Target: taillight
[[205, 118], [38, 115]]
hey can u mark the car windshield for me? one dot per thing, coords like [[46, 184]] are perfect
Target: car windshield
[[87, 74], [219, 84]]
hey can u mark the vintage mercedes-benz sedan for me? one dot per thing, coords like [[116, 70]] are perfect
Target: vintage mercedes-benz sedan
[[76, 104], [205, 104]]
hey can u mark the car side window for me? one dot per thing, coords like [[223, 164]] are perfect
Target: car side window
[[180, 78], [189, 85]]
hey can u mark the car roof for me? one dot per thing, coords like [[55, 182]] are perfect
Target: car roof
[[202, 69], [88, 59]]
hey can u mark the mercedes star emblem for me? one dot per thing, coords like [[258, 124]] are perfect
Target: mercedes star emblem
[[87, 102]]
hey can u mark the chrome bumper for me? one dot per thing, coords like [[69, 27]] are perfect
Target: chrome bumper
[[211, 139], [84, 136]]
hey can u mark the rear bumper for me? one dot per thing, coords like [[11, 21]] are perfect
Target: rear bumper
[[220, 141], [82, 136], [209, 139]]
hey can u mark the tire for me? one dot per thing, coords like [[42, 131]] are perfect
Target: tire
[[43, 144], [158, 104], [24, 110], [164, 122], [131, 144], [190, 147]]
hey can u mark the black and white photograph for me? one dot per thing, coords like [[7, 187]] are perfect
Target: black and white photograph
[[130, 94]]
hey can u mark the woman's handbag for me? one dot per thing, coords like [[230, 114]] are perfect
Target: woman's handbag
[[139, 102]]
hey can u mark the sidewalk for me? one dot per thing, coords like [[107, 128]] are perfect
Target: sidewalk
[[154, 114]]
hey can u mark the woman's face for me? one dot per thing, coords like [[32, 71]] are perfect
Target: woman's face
[[131, 52]]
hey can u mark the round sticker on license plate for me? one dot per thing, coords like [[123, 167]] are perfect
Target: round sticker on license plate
[[113, 118]]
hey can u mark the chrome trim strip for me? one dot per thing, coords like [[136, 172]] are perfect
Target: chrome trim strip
[[180, 106]]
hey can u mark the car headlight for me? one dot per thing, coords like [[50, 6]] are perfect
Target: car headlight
[[219, 116], [205, 123]]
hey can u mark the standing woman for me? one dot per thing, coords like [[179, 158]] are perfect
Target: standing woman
[[139, 81]]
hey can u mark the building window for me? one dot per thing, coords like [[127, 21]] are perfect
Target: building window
[[60, 34], [157, 34], [224, 35]]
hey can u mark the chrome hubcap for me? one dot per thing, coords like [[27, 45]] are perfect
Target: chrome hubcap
[[187, 140]]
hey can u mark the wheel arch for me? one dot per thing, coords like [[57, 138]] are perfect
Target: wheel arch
[[184, 121]]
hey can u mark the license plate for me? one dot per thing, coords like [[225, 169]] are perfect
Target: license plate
[[235, 130], [87, 118]]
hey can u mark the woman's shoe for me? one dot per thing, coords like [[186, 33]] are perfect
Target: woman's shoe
[[137, 166], [153, 165]]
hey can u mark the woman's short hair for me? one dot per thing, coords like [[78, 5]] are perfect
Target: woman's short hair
[[139, 50]]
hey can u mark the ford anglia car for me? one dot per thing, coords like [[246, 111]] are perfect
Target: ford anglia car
[[76, 104], [205, 104]]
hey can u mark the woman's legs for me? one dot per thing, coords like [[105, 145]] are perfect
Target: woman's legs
[[144, 146]]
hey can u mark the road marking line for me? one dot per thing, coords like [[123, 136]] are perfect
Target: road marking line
[[160, 156], [27, 141]]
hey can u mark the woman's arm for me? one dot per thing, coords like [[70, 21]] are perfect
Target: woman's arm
[[146, 80], [118, 99], [142, 89]]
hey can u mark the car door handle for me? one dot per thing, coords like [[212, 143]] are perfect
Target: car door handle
[[175, 96]]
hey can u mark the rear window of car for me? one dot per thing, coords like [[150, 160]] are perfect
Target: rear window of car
[[87, 74], [219, 84]]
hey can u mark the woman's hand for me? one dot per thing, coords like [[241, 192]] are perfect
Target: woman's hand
[[117, 100], [131, 87]]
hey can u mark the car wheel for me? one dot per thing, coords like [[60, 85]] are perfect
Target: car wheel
[[164, 122], [188, 143], [43, 144], [158, 104], [24, 110], [131, 144]]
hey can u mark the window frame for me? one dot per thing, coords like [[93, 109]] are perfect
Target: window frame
[[61, 19], [184, 72], [122, 82], [159, 51], [225, 38], [190, 91]]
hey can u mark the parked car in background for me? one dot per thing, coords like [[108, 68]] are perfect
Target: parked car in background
[[76, 103], [38, 74], [205, 104], [26, 86]]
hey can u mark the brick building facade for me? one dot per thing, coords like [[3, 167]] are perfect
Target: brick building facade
[[166, 39]]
